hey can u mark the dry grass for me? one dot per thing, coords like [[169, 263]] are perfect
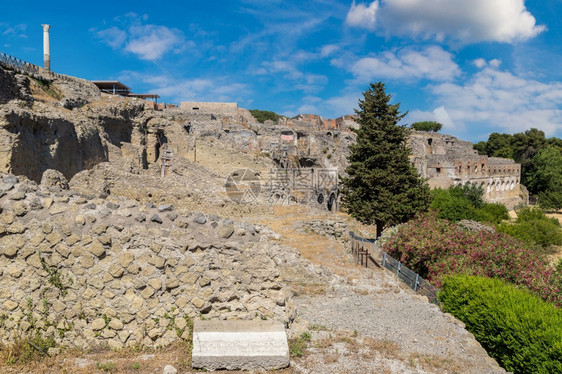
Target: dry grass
[[115, 362], [44, 92], [318, 249], [435, 363]]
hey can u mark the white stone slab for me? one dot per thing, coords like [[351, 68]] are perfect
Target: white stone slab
[[239, 345]]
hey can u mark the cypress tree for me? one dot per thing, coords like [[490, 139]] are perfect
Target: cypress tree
[[382, 187]]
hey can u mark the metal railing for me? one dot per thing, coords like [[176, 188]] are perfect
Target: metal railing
[[368, 252], [19, 65], [33, 70]]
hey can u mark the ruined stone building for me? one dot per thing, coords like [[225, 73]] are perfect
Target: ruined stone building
[[230, 111], [448, 161]]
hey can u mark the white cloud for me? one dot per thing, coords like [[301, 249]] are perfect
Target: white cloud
[[362, 15], [343, 104], [113, 36], [220, 88], [328, 50], [439, 114], [291, 73], [146, 41], [152, 42], [479, 63], [10, 31], [465, 21], [429, 63], [495, 63], [503, 101]]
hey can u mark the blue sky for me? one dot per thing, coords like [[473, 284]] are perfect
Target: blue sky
[[477, 66]]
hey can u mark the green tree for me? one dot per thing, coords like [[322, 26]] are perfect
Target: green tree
[[545, 177], [481, 148], [382, 187], [499, 145], [430, 126]]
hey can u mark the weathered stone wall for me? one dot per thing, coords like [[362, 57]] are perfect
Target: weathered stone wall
[[34, 142], [108, 271], [332, 228], [8, 86], [447, 161]]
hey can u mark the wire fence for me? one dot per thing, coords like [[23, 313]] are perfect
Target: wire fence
[[368, 253]]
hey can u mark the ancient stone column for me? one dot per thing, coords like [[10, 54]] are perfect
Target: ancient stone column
[[46, 52]]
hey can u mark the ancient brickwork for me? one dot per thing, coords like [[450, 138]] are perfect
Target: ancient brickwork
[[447, 161], [95, 271], [222, 110]]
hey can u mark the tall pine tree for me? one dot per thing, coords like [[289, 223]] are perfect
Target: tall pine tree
[[381, 186]]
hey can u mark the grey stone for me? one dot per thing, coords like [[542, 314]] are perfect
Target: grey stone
[[112, 206], [18, 195], [156, 218], [91, 206], [150, 205], [165, 208], [251, 345], [140, 217], [169, 369], [200, 219], [10, 179], [172, 216], [104, 212], [35, 204]]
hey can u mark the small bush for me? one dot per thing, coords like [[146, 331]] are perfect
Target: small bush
[[466, 202], [264, 115], [522, 332], [534, 227], [451, 206], [494, 213], [27, 349], [297, 346]]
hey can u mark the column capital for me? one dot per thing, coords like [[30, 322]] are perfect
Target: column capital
[[46, 27]]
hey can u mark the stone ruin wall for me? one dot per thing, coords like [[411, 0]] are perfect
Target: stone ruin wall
[[112, 272], [227, 111], [447, 161]]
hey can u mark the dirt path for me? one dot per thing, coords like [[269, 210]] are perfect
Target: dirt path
[[366, 321]]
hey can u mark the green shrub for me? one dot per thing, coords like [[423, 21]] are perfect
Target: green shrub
[[471, 192], [494, 213], [522, 332], [466, 202], [263, 115], [426, 126], [533, 227], [451, 206]]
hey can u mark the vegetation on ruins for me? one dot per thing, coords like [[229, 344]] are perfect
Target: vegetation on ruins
[[430, 126], [466, 202], [518, 329], [541, 172], [381, 186], [435, 247], [263, 115]]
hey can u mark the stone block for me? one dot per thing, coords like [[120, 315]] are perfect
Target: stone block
[[239, 345], [96, 249], [126, 258]]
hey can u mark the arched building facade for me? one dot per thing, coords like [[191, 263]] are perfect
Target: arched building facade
[[448, 161]]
